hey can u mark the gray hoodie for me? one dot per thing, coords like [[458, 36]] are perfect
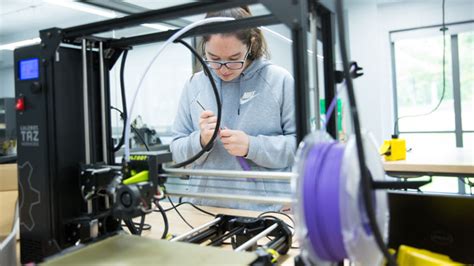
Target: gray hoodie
[[259, 102]]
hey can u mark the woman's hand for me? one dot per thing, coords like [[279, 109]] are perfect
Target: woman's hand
[[236, 142], [207, 124]]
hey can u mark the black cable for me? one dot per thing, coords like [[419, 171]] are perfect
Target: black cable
[[366, 180], [122, 87], [165, 220], [140, 137], [278, 219], [194, 206], [182, 218], [124, 101], [141, 224], [146, 226], [133, 128], [118, 110], [264, 214], [219, 108], [138, 228], [131, 227], [443, 29]]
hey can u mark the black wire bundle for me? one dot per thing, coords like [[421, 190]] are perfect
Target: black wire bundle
[[366, 180]]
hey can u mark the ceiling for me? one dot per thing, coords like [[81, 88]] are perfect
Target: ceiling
[[23, 19]]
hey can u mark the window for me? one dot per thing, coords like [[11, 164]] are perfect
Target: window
[[466, 68], [417, 56], [420, 84]]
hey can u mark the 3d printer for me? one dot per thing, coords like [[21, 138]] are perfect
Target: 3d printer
[[71, 190]]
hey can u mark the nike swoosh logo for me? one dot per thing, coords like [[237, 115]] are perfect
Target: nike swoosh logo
[[246, 100]]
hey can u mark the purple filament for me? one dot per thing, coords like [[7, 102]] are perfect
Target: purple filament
[[330, 110], [243, 163], [321, 203]]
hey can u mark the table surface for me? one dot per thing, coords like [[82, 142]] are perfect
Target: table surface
[[455, 161]]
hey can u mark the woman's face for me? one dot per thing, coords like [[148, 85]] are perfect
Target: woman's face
[[226, 48]]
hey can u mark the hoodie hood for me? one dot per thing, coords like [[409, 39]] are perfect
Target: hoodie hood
[[254, 67]]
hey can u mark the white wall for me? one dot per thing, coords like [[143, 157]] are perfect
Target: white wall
[[7, 86], [369, 26], [279, 46]]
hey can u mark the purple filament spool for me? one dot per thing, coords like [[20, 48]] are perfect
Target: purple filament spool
[[321, 203]]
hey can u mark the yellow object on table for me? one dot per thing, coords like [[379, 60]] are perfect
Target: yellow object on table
[[394, 149]]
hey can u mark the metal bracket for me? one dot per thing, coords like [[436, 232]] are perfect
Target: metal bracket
[[288, 12], [356, 71], [50, 40], [400, 184]]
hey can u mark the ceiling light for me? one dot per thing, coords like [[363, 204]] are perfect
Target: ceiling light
[[277, 34], [14, 45], [80, 7], [290, 41], [101, 12], [156, 26], [84, 8]]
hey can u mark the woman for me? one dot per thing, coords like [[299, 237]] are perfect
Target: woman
[[257, 130]]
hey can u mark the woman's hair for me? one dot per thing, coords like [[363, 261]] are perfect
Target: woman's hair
[[246, 36]]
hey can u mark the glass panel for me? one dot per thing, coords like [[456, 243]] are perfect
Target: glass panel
[[468, 140], [442, 184], [466, 62], [420, 84], [420, 141], [426, 141], [468, 143], [158, 98]]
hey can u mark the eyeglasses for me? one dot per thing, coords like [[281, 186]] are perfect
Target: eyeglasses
[[232, 65]]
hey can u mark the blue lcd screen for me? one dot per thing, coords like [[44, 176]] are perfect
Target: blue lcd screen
[[29, 69]]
